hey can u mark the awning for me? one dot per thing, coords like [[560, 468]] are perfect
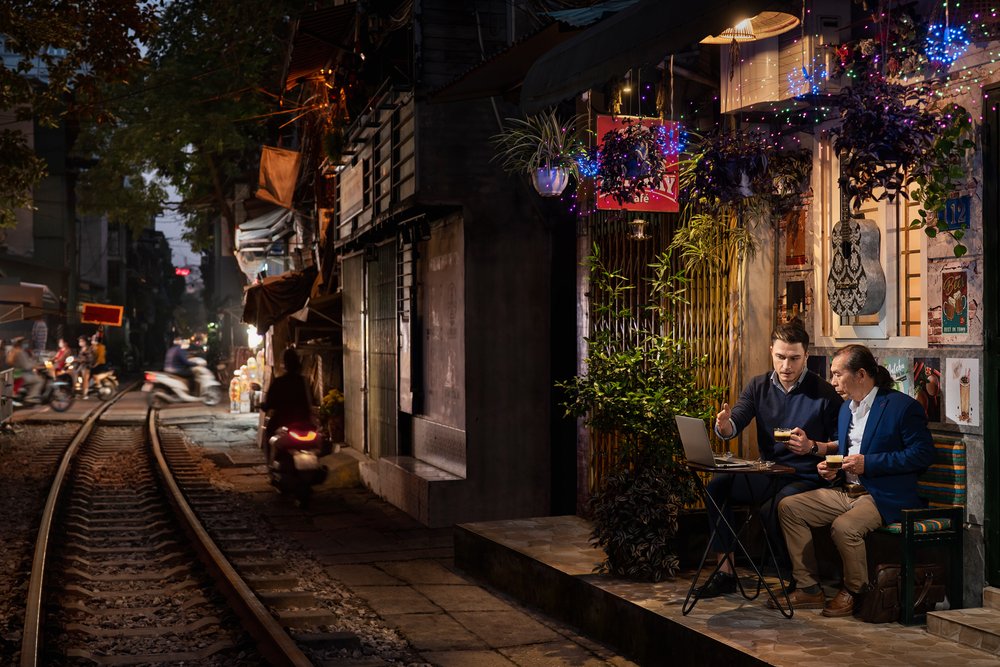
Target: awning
[[503, 72], [265, 229], [276, 297], [320, 319], [24, 301], [318, 38], [643, 34]]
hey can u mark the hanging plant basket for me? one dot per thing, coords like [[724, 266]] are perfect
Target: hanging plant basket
[[631, 161], [550, 182]]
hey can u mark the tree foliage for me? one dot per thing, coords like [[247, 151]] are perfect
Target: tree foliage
[[197, 116], [67, 53]]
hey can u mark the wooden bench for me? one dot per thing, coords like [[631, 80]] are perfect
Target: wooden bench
[[943, 486]]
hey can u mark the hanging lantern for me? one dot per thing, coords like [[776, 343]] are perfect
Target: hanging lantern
[[637, 229]]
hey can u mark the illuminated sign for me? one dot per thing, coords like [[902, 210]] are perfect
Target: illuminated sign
[[102, 313], [182, 271]]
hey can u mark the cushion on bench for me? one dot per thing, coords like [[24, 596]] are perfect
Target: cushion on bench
[[941, 485]]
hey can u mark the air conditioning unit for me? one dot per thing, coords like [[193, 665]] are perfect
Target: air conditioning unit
[[789, 65]]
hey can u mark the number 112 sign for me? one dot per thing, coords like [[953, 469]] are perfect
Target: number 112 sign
[[663, 198]]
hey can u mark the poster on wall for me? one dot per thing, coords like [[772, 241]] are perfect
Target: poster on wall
[[962, 391], [927, 386], [795, 300], [954, 292], [794, 224], [901, 371], [954, 303]]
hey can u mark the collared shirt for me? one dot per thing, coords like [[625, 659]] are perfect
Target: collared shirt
[[859, 418], [776, 381]]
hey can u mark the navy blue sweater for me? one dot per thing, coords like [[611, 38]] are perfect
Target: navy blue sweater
[[813, 406]]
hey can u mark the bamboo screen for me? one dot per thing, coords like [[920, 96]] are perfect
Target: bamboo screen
[[705, 322]]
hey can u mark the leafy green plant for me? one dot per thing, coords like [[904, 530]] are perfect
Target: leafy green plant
[[541, 141], [631, 160], [885, 132], [637, 379], [942, 171]]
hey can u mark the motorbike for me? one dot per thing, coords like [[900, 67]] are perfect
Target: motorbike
[[103, 383], [293, 455], [163, 386], [56, 391]]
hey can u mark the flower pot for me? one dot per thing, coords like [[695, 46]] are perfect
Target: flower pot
[[550, 182]]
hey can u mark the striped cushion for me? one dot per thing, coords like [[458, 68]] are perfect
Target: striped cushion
[[927, 526], [943, 484]]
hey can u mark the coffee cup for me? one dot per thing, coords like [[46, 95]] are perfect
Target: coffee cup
[[782, 434], [834, 461]]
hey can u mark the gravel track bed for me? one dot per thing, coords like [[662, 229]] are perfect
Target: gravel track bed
[[26, 477]]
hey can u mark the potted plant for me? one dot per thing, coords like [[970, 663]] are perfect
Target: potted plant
[[943, 171], [727, 167], [631, 160], [886, 130], [331, 414], [544, 148], [633, 387]]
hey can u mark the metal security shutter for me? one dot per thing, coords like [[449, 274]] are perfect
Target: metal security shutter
[[382, 353], [355, 390]]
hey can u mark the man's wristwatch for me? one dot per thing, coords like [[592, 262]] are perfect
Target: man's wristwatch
[[815, 449]]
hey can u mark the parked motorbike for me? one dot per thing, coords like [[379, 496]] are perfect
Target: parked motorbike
[[294, 468], [163, 386], [104, 383], [56, 390]]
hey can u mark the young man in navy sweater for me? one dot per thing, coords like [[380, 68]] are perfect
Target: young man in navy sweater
[[789, 397]]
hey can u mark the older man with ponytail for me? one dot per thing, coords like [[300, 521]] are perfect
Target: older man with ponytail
[[885, 444]]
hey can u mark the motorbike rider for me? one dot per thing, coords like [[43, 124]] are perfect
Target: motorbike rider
[[59, 360], [22, 362], [84, 361], [287, 399], [100, 355], [176, 363]]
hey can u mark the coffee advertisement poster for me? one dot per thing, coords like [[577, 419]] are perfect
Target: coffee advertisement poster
[[954, 303], [927, 386], [961, 391], [900, 370]]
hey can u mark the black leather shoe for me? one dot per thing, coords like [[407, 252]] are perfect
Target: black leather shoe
[[720, 584]]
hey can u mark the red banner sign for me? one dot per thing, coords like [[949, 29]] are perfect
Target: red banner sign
[[663, 198], [102, 313]]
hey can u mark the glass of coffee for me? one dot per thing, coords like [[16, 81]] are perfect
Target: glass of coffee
[[834, 461], [782, 434]]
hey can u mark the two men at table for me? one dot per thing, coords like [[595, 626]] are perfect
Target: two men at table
[[788, 396], [886, 443]]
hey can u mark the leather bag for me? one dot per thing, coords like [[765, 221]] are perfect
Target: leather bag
[[882, 600]]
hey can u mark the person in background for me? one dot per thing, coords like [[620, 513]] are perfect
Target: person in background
[[24, 367], [287, 399], [789, 397], [100, 354], [885, 444], [63, 351], [84, 362], [176, 363], [39, 336]]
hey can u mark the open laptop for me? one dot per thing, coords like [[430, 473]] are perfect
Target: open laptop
[[698, 448]]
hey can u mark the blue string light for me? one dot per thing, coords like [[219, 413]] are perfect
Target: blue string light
[[945, 43]]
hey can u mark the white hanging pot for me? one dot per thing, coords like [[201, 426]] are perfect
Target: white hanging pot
[[550, 182]]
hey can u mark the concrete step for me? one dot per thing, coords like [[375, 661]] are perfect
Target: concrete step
[[978, 627], [991, 597]]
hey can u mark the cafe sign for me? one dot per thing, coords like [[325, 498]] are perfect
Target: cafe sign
[[661, 199]]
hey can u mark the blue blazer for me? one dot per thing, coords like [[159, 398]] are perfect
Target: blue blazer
[[897, 446]]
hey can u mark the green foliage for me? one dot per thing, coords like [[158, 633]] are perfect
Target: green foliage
[[943, 170], [21, 169], [709, 240], [886, 130], [541, 141], [637, 379], [80, 47]]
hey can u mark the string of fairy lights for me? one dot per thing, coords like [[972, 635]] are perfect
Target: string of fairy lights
[[953, 54]]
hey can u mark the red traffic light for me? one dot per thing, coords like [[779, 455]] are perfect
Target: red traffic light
[[182, 271]]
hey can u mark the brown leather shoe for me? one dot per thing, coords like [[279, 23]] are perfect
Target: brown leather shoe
[[841, 605], [802, 600]]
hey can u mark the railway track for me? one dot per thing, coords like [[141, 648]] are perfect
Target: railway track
[[125, 572]]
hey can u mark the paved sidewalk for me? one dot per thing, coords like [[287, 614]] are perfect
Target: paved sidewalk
[[403, 570]]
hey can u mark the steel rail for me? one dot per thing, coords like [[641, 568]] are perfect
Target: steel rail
[[273, 641], [31, 638]]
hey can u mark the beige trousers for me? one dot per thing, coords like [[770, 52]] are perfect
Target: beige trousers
[[849, 520]]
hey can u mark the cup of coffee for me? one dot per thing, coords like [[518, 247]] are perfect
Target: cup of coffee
[[834, 461], [782, 434]]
